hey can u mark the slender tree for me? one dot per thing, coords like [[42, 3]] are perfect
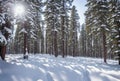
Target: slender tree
[[74, 25], [52, 22]]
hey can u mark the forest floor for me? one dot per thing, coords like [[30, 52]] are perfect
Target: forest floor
[[48, 68]]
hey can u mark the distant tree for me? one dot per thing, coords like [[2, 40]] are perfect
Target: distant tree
[[31, 24], [82, 39], [74, 25], [52, 16], [18, 39], [90, 20], [38, 27], [63, 12], [56, 31]]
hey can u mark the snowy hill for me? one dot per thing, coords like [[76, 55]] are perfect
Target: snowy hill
[[48, 68]]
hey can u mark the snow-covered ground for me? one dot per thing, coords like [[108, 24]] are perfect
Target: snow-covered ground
[[48, 68]]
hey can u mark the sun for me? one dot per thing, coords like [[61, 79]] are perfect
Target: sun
[[19, 10]]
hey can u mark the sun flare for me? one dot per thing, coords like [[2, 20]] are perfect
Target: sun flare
[[19, 10]]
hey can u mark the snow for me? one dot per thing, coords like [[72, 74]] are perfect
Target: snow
[[117, 36], [118, 45], [2, 21], [117, 51], [23, 31], [8, 30], [42, 67], [2, 39], [114, 30]]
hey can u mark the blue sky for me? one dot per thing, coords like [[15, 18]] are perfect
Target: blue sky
[[80, 6]]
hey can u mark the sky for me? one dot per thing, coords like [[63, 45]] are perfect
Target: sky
[[80, 6]]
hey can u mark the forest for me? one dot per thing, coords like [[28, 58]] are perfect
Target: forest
[[53, 27]]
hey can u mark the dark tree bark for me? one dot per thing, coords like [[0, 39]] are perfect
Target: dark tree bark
[[55, 44], [104, 46], [63, 29], [118, 43], [25, 41], [6, 34]]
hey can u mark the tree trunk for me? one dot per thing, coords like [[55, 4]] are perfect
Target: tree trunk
[[42, 44], [63, 30], [63, 49], [118, 23], [104, 46], [119, 60], [3, 51], [25, 43], [55, 44]]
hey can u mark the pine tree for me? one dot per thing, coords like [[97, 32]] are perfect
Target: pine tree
[[63, 12], [5, 25], [38, 27], [18, 39], [74, 25], [102, 16], [31, 24], [56, 17], [98, 11], [114, 8], [90, 20], [52, 14], [82, 39]]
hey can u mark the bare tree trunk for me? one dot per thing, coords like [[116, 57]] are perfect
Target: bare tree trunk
[[3, 48], [55, 44], [118, 43], [104, 46], [66, 46], [25, 43], [62, 26], [63, 31], [42, 44], [3, 51]]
